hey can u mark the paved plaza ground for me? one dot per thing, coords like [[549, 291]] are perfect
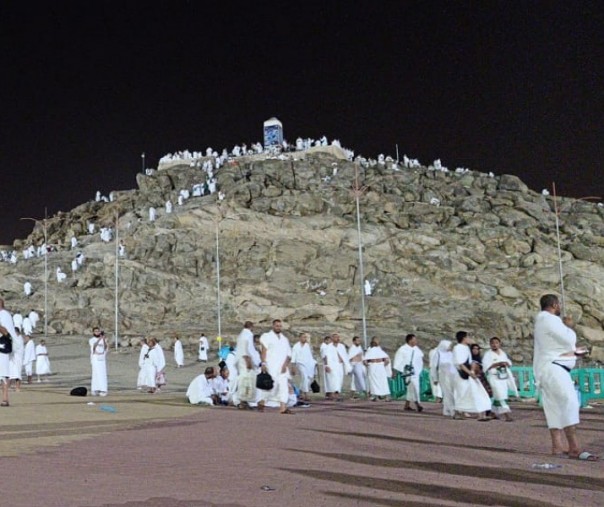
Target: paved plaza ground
[[133, 449]]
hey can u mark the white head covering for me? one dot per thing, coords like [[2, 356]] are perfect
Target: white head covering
[[444, 345]]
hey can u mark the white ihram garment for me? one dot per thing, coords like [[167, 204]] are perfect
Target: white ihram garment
[[469, 394], [200, 391], [334, 360], [498, 385], [434, 385], [277, 351], [376, 371], [305, 363], [553, 339], [16, 358], [98, 353], [444, 372], [244, 389], [407, 355], [359, 370], [179, 355], [29, 357], [42, 361]]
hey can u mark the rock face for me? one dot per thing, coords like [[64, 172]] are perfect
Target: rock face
[[442, 252]]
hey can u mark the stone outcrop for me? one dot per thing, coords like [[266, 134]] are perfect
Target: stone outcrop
[[442, 251]]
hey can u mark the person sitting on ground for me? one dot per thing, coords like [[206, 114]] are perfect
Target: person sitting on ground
[[201, 389]]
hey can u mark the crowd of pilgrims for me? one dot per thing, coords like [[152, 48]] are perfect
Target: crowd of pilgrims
[[466, 382]]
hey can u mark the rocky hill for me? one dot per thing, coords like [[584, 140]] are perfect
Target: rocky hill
[[442, 251]]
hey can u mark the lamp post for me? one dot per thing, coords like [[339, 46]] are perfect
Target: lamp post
[[557, 213], [45, 230], [117, 266], [217, 221], [143, 162], [357, 191]]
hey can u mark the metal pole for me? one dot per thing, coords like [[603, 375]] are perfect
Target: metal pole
[[218, 282], [562, 296], [397, 153], [117, 266], [45, 278], [143, 162], [357, 191]]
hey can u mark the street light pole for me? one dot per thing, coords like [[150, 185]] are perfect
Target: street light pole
[[117, 246], [143, 162], [357, 191], [557, 213], [43, 222]]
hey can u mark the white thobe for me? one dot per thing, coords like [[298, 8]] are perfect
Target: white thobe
[[28, 328], [444, 372], [244, 388], [179, 354], [278, 351], [17, 321], [469, 394], [203, 348], [305, 363], [42, 361], [407, 355], [98, 353], [222, 388], [376, 371], [498, 385], [16, 358], [200, 391], [334, 378], [153, 363], [29, 356], [34, 317], [359, 371], [553, 339], [141, 361], [6, 320], [434, 385]]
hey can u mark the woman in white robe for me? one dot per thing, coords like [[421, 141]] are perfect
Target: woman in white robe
[[377, 362], [496, 365], [469, 393], [434, 385], [42, 361], [29, 357], [444, 374]]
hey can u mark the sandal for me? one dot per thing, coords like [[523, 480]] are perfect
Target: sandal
[[484, 419], [586, 456], [4, 404], [287, 411]]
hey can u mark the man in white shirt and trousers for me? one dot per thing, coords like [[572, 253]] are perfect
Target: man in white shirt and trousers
[[304, 362], [554, 357], [276, 356], [409, 360]]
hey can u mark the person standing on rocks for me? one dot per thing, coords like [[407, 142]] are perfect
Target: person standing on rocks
[[203, 348], [98, 355], [555, 355]]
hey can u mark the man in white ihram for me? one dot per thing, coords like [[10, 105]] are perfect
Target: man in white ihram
[[276, 356], [554, 357], [305, 363], [336, 365], [359, 370], [409, 361], [98, 353], [248, 359]]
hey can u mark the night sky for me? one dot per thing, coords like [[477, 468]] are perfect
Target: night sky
[[86, 87]]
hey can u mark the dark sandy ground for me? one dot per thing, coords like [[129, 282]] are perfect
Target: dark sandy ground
[[156, 451]]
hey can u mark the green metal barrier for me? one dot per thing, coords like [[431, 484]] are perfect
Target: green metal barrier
[[589, 380], [525, 381], [398, 389]]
